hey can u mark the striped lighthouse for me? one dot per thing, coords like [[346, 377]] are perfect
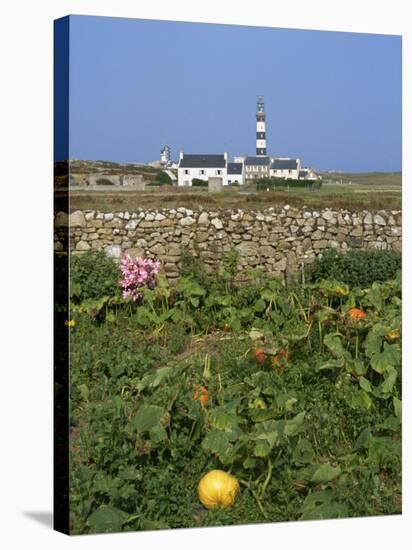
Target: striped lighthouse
[[260, 127]]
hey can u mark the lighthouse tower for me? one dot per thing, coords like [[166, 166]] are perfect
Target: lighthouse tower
[[260, 127]]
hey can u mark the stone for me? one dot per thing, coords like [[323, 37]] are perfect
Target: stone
[[203, 219], [357, 232], [149, 217], [82, 246], [328, 215], [267, 251], [157, 249], [354, 242], [188, 220], [77, 219], [174, 249], [159, 217], [108, 216], [247, 248], [217, 223], [367, 220], [379, 220], [89, 215], [113, 251], [132, 224]]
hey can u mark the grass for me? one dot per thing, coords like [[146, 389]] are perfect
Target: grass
[[372, 191], [329, 196]]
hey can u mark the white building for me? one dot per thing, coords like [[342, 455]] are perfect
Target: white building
[[257, 167], [235, 173], [201, 167], [308, 174], [165, 155], [285, 168]]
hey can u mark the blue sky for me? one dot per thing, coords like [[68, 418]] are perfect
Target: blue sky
[[332, 99]]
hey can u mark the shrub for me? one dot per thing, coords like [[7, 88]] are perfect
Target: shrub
[[163, 178], [357, 268], [196, 182], [93, 275], [104, 181], [271, 183]]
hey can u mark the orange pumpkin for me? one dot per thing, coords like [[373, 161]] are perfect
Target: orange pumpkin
[[260, 356], [356, 314], [202, 395]]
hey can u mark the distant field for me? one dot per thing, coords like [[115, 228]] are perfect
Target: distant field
[[364, 178], [333, 196], [372, 190]]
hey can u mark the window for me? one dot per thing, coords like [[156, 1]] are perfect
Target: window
[[202, 172], [186, 172], [218, 172]]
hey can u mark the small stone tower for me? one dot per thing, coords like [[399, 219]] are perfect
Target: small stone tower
[[260, 127]]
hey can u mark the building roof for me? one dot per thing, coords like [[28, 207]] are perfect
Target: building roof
[[202, 161], [257, 161], [234, 167], [284, 164]]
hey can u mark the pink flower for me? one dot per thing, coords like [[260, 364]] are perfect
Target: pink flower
[[137, 273]]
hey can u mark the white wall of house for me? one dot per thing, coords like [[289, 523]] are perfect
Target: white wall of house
[[235, 177], [290, 174], [255, 172], [186, 175]]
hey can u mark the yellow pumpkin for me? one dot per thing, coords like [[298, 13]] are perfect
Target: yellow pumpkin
[[217, 489]]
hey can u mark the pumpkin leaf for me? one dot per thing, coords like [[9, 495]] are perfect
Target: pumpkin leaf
[[147, 417], [106, 519]]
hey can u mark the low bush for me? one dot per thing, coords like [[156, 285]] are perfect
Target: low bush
[[196, 182], [163, 178], [357, 268], [93, 275], [272, 183]]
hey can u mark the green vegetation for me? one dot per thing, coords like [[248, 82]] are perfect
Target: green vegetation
[[375, 179], [196, 182], [275, 183], [236, 197], [303, 399], [163, 178], [358, 268]]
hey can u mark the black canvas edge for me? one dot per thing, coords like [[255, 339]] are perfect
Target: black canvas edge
[[61, 336]]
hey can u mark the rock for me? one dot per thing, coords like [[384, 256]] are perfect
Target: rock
[[76, 219], [188, 220], [132, 224], [83, 246], [367, 220], [354, 242], [203, 219], [357, 232], [379, 220], [113, 251], [217, 223], [158, 249], [328, 215], [247, 248], [108, 216], [159, 217], [89, 215], [267, 251], [149, 217]]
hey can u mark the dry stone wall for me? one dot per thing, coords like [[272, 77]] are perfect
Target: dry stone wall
[[278, 240]]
